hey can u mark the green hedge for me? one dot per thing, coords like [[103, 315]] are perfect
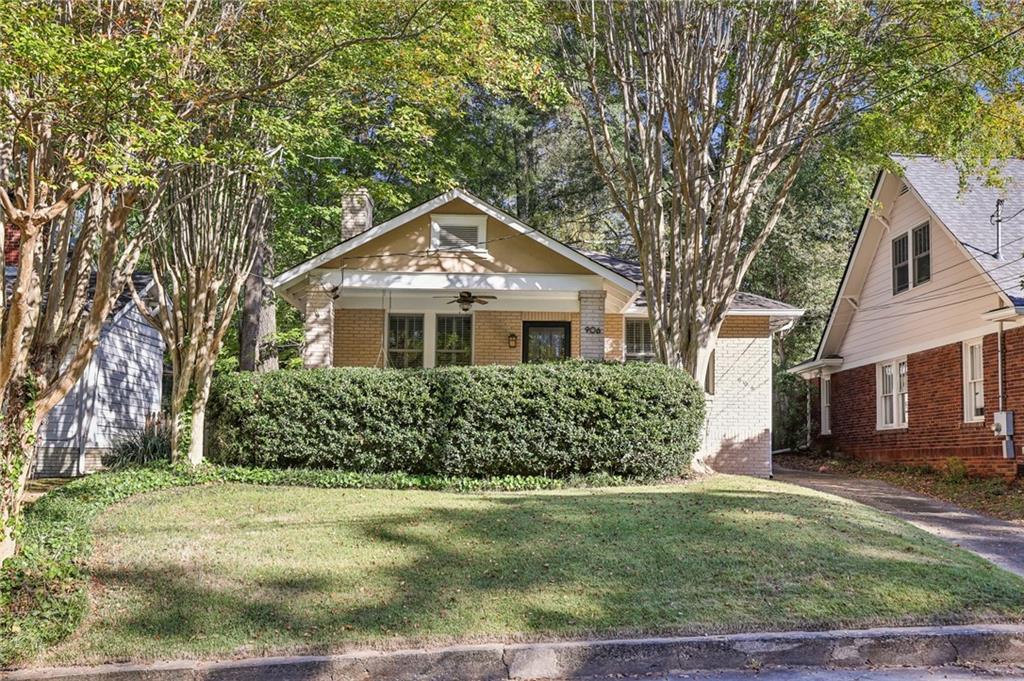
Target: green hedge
[[556, 420]]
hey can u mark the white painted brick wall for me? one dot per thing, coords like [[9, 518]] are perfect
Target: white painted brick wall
[[592, 317], [738, 435]]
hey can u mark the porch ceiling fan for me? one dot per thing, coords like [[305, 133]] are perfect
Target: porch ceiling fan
[[466, 300]]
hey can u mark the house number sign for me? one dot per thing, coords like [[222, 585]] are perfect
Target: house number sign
[[593, 330]]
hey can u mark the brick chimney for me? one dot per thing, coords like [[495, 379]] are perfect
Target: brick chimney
[[356, 213], [12, 239]]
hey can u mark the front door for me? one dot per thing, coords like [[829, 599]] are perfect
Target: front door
[[545, 341]]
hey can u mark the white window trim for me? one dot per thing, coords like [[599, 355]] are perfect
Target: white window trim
[[458, 220], [826, 405], [969, 416], [911, 259], [896, 424], [433, 331], [638, 356]]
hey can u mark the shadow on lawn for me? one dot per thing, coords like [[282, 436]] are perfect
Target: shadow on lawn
[[570, 563]]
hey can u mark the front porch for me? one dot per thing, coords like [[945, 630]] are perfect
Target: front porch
[[417, 320]]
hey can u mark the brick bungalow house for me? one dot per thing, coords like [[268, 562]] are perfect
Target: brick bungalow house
[[924, 348], [458, 281]]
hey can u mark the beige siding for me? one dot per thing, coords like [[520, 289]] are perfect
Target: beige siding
[[405, 249], [738, 436], [927, 315]]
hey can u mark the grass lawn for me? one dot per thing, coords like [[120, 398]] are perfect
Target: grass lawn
[[235, 569], [993, 496]]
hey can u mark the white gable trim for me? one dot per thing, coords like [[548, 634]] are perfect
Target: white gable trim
[[283, 280]]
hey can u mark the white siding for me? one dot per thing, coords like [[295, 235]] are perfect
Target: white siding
[[128, 381], [119, 390], [946, 307]]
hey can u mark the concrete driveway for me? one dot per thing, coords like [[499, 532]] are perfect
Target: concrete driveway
[[998, 541]]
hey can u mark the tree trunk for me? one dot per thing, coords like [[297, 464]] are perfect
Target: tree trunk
[[257, 348], [17, 450]]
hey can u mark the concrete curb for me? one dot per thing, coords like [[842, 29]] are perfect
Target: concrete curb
[[911, 646]]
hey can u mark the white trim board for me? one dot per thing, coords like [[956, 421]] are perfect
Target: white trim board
[[285, 279], [457, 281]]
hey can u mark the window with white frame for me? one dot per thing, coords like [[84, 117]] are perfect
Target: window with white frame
[[900, 264], [826, 405], [458, 232], [639, 341], [892, 394], [405, 341], [922, 254], [911, 259], [974, 381], [454, 340]]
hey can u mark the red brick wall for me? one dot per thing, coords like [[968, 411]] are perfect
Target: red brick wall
[[936, 428], [12, 238]]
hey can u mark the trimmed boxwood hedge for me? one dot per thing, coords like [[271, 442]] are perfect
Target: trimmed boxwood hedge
[[556, 420]]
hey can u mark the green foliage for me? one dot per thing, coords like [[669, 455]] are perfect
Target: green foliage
[[554, 420], [42, 588], [955, 470], [149, 445]]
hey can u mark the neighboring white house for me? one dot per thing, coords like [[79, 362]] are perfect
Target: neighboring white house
[[119, 391]]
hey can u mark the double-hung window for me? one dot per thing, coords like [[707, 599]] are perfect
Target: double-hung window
[[892, 394], [922, 254], [454, 340], [826, 405], [405, 341], [911, 259], [639, 341], [974, 381]]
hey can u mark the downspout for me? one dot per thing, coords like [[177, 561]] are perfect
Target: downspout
[[999, 354]]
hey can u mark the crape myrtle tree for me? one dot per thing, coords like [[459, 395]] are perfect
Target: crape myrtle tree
[[700, 115], [86, 109], [99, 106]]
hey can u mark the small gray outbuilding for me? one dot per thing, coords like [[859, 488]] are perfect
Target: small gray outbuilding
[[118, 392]]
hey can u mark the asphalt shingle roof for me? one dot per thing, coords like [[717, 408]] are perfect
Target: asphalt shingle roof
[[966, 212], [140, 279], [743, 302]]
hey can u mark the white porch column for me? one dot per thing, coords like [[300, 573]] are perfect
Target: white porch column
[[318, 328], [592, 325]]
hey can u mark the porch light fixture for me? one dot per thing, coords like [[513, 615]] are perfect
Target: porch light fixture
[[513, 340]]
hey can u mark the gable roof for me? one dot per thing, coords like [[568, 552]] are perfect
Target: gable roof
[[290, 276], [743, 302], [966, 213]]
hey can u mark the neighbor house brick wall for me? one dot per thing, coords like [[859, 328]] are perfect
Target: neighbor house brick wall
[[738, 436], [12, 240], [936, 429], [358, 337]]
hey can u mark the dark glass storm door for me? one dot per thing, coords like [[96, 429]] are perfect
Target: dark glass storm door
[[545, 341]]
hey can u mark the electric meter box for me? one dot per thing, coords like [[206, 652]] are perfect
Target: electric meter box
[[1002, 423]]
